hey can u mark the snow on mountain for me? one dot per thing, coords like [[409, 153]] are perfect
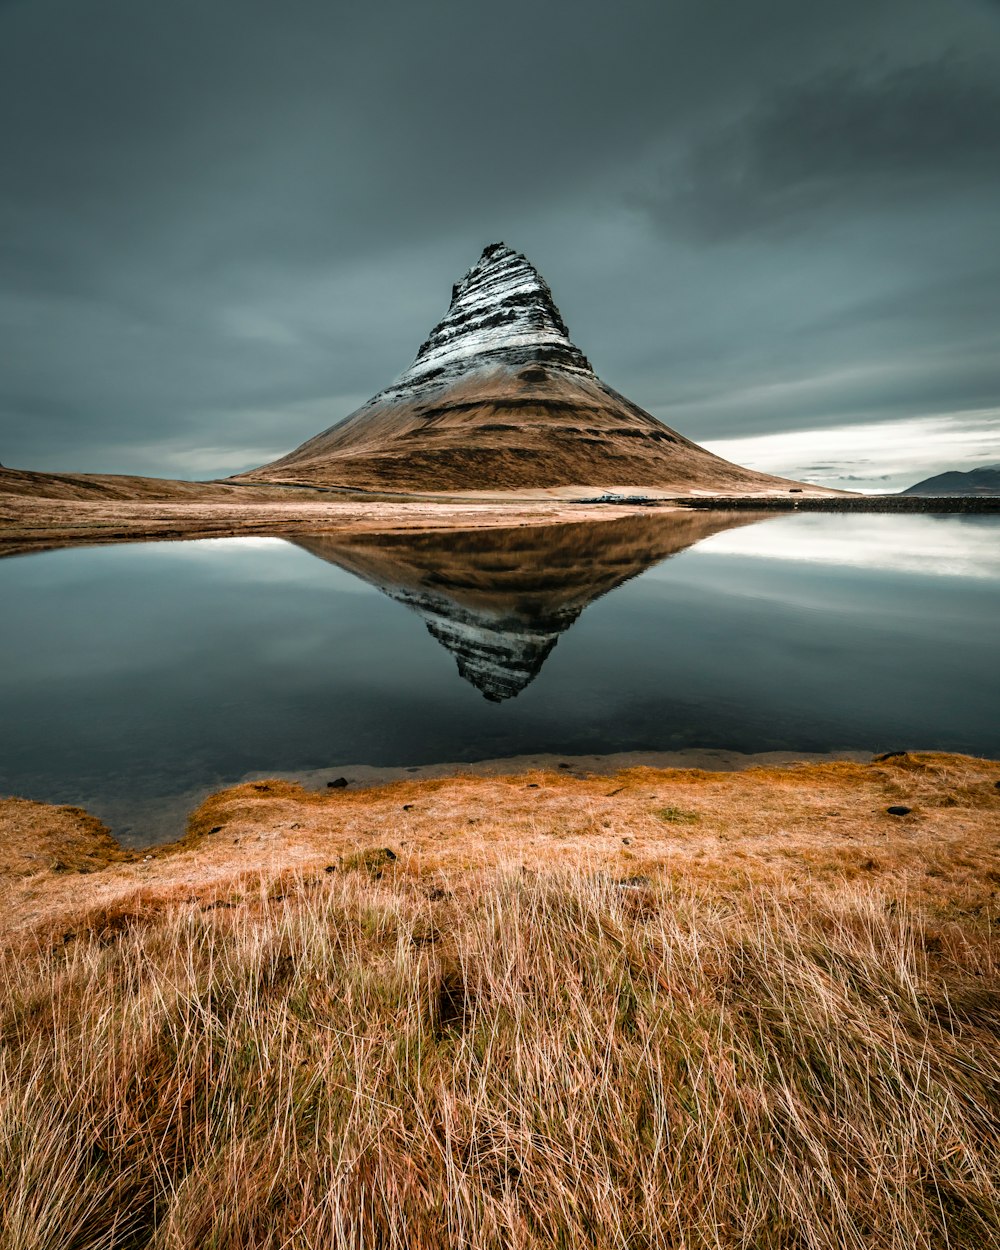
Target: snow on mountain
[[502, 312]]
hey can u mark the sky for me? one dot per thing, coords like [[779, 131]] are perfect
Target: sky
[[775, 224]]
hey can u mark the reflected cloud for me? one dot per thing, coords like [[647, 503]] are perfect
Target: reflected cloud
[[200, 548], [951, 546], [236, 559], [498, 599]]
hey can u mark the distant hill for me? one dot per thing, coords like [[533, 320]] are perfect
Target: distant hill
[[984, 481], [500, 399]]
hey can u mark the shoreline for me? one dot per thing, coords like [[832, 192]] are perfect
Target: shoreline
[[940, 505], [37, 525], [765, 814], [165, 818], [48, 511]]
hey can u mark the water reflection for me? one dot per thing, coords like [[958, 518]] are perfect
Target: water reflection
[[498, 599], [937, 546], [138, 678]]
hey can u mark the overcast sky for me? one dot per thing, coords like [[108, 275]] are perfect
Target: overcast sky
[[224, 225]]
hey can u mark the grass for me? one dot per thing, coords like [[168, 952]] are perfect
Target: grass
[[677, 816], [513, 1059]]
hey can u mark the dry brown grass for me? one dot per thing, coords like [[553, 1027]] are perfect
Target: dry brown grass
[[733, 1031], [520, 429], [35, 520]]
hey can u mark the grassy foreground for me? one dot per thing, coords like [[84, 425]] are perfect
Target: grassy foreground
[[559, 1055]]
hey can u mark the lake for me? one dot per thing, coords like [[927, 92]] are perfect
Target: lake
[[137, 676]]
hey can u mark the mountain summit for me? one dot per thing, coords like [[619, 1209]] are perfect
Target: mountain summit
[[500, 398], [502, 315]]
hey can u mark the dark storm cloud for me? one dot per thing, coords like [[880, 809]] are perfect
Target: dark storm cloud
[[847, 141], [224, 225]]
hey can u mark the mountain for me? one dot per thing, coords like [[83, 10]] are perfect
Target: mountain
[[500, 398], [984, 481], [498, 599]]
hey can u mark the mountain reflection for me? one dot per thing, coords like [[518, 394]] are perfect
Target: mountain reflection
[[498, 599]]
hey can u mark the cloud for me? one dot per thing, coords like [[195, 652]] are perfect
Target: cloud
[[910, 449], [223, 226], [846, 141]]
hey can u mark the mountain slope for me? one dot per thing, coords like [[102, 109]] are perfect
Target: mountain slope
[[984, 481], [499, 398]]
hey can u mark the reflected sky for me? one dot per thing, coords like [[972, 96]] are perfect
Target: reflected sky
[[139, 672], [933, 546]]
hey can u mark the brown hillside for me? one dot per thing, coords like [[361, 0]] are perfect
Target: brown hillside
[[534, 427]]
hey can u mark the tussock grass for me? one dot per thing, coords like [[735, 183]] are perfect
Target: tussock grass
[[532, 1061], [676, 816]]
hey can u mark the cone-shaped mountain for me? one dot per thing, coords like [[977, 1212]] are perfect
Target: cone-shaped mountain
[[500, 398], [498, 599]]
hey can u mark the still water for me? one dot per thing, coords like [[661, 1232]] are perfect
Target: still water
[[135, 674]]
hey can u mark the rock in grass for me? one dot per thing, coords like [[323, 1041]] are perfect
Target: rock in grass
[[899, 810], [374, 862]]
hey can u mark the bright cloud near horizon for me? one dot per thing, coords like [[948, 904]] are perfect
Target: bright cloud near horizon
[[882, 456], [222, 227]]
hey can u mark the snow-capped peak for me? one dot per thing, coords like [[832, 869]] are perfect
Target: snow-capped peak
[[502, 315]]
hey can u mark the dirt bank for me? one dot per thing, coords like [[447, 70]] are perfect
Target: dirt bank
[[46, 510], [43, 511]]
